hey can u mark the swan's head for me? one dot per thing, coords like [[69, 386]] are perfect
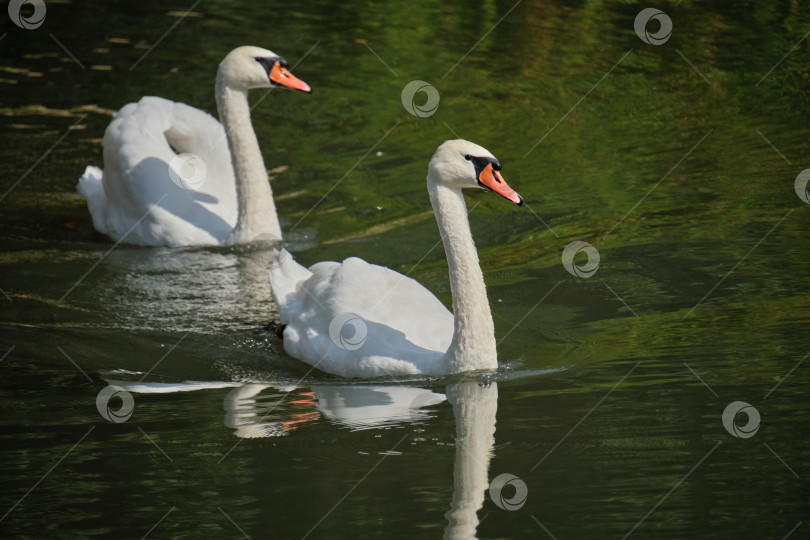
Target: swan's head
[[253, 67], [462, 164]]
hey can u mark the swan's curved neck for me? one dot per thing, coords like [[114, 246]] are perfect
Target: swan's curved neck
[[473, 345], [257, 212]]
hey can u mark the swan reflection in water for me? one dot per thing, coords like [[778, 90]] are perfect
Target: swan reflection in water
[[252, 414], [255, 410], [474, 407]]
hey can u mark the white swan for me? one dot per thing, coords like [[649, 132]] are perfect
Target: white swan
[[356, 319], [173, 176]]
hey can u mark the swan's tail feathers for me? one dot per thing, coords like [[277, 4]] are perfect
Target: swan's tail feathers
[[90, 181], [285, 276], [91, 187]]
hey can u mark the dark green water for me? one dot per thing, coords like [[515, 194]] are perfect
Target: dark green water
[[681, 176]]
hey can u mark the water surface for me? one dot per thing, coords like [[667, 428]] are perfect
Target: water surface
[[676, 162]]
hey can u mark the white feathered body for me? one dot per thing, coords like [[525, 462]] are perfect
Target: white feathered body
[[136, 196], [407, 329]]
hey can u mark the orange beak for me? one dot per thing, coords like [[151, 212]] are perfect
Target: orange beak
[[493, 181], [282, 76]]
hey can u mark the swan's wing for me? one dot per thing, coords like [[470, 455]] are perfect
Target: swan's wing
[[402, 328], [139, 145], [381, 295]]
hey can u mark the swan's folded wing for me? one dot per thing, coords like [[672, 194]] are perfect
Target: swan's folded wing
[[377, 295], [139, 144], [156, 130]]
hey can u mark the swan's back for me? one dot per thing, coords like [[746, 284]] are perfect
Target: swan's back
[[139, 144], [407, 329]]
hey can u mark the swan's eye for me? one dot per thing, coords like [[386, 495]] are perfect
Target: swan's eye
[[468, 157]]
